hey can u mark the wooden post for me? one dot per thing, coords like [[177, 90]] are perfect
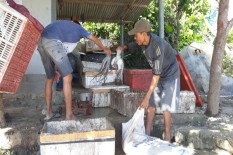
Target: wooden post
[[2, 117]]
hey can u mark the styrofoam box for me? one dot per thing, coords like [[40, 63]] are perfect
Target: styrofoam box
[[89, 81], [101, 94], [90, 66], [91, 46], [82, 137]]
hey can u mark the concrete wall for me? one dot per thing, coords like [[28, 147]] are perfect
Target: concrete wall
[[45, 12], [230, 16]]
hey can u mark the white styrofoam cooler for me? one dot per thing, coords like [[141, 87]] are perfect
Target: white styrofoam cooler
[[91, 46], [89, 81], [82, 137], [88, 66]]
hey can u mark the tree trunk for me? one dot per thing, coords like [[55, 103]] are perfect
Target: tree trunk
[[217, 59], [2, 118]]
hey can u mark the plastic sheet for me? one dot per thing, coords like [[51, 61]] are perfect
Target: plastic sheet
[[136, 142]]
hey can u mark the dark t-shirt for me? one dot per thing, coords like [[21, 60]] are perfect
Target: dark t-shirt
[[161, 57]]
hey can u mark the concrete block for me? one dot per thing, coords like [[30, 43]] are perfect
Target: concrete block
[[101, 99], [87, 136], [101, 94], [225, 141], [32, 83], [126, 102], [187, 103]]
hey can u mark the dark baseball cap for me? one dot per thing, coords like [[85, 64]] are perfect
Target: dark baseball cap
[[140, 26]]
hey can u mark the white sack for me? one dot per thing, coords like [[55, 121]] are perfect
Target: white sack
[[136, 142]]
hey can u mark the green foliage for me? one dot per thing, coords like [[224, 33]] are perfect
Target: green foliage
[[227, 66], [191, 21], [104, 30], [230, 37]]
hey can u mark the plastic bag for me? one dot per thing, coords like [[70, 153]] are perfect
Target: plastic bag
[[136, 142]]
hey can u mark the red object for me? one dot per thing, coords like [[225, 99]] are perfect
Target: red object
[[141, 79], [20, 59], [138, 79], [83, 107], [186, 82], [23, 10]]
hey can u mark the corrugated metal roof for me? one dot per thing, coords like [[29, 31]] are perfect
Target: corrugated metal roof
[[113, 11]]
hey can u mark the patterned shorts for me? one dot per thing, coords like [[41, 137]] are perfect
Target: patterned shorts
[[53, 56], [166, 95]]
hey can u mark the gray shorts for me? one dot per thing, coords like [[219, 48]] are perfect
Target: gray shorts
[[166, 95], [53, 54]]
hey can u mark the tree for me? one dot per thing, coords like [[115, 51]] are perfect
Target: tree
[[223, 29]]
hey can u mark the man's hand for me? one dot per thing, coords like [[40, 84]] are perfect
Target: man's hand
[[144, 104], [100, 45], [57, 76], [121, 48], [107, 51]]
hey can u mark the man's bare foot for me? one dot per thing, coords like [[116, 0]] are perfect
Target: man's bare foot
[[71, 118], [167, 137]]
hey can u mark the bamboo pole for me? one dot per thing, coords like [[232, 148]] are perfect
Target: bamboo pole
[[2, 117]]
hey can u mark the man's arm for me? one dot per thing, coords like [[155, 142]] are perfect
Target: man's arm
[[122, 48], [153, 85], [99, 43], [130, 47]]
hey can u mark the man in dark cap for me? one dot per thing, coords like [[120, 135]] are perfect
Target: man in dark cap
[[164, 89]]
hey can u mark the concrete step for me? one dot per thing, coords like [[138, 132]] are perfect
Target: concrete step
[[216, 134], [202, 133]]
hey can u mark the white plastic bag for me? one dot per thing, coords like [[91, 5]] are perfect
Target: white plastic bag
[[136, 142]]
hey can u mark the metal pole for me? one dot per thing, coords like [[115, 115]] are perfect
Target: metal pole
[[161, 19], [122, 33], [122, 36]]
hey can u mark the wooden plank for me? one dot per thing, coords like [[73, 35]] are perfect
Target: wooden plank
[[95, 73], [186, 82], [100, 90], [96, 20], [77, 136], [108, 3]]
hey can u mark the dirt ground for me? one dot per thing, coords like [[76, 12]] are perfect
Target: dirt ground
[[25, 114]]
